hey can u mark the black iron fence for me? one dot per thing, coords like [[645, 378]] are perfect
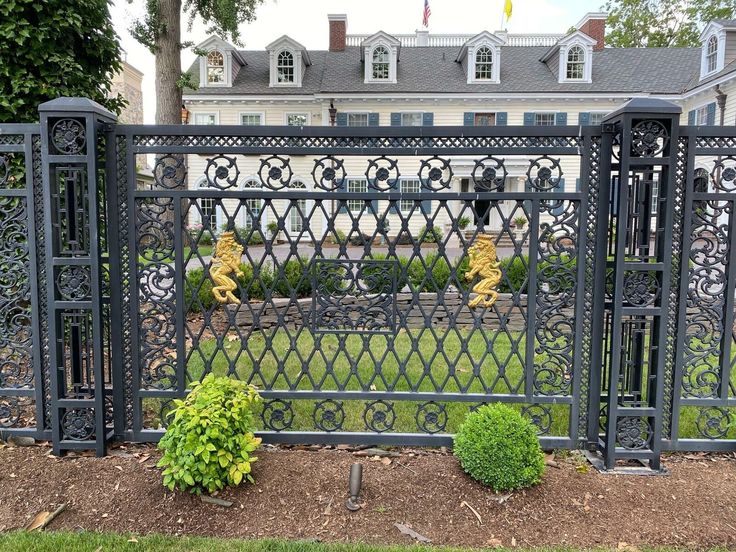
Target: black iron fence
[[376, 284]]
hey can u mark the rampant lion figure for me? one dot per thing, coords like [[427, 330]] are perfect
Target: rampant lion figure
[[226, 261], [483, 262]]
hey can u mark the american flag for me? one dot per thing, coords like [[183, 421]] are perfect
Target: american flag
[[427, 13]]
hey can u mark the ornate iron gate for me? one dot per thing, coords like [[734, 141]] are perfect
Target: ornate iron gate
[[376, 284]]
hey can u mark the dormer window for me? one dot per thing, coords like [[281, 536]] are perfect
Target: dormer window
[[575, 63], [480, 57], [711, 54], [215, 68], [288, 62], [285, 67], [381, 63], [484, 63], [380, 54]]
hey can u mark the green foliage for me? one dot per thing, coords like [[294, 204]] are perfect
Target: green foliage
[[662, 23], [499, 448], [209, 442], [55, 48], [338, 237], [430, 236], [382, 274], [463, 222], [520, 221], [430, 278], [295, 279], [272, 226]]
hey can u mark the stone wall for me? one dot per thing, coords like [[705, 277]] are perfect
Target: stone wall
[[413, 311]]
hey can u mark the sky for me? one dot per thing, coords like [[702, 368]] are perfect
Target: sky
[[306, 22]]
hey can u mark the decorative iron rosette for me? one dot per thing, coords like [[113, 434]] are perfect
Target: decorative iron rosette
[[73, 282], [68, 136], [489, 174], [383, 174], [540, 416], [648, 138], [379, 416], [10, 411], [641, 288], [78, 424], [16, 364], [431, 417], [723, 174], [277, 415], [633, 433], [222, 172], [275, 172], [544, 174], [435, 173], [713, 422], [328, 415], [329, 173], [170, 172]]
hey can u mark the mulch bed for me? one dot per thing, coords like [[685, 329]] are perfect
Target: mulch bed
[[300, 494]]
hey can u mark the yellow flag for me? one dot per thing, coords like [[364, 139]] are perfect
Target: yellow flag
[[507, 9]]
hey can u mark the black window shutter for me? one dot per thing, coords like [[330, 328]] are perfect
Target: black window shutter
[[583, 118], [396, 119], [529, 119], [502, 118], [691, 117], [428, 118], [469, 118], [560, 119], [342, 119], [711, 114], [426, 206], [342, 187], [373, 119], [559, 209]]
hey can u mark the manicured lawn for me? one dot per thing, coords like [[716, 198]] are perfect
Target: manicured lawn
[[93, 542]]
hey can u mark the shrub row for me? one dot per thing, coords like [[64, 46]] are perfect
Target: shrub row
[[432, 275]]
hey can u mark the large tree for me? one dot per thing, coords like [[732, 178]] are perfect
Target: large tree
[[160, 31], [662, 23], [55, 48]]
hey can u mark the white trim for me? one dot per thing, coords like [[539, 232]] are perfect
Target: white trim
[[698, 107], [366, 113], [393, 54], [587, 63], [720, 35], [261, 113], [307, 113]]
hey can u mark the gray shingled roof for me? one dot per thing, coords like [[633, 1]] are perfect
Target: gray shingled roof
[[434, 69]]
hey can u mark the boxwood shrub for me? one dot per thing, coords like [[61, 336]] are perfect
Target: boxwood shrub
[[498, 447]]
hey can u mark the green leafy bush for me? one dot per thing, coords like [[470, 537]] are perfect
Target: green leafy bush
[[198, 291], [210, 441], [439, 269], [295, 278], [382, 273], [499, 448], [433, 235]]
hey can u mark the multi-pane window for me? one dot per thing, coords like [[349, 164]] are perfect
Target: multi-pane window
[[357, 119], [411, 119], [356, 186], [251, 119], [215, 68], [711, 54], [381, 59], [285, 67], [205, 118], [484, 63], [544, 119], [297, 119], [596, 118], [701, 115], [409, 186], [253, 206], [576, 63], [484, 119], [298, 209]]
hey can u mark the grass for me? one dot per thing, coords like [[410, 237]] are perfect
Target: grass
[[102, 542], [355, 362], [272, 360], [202, 250]]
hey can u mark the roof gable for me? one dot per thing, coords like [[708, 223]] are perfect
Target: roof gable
[[484, 37], [286, 42], [575, 37], [216, 43]]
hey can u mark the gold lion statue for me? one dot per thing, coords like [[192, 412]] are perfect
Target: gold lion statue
[[226, 261], [483, 262]]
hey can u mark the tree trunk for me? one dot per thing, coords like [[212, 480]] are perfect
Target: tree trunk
[[168, 64]]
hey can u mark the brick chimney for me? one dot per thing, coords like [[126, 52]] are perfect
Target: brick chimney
[[594, 25], [338, 30]]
